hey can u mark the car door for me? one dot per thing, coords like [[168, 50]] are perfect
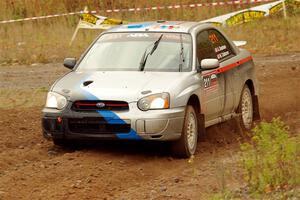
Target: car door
[[212, 95], [226, 72]]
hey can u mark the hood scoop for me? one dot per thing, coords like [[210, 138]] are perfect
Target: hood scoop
[[146, 92], [86, 83]]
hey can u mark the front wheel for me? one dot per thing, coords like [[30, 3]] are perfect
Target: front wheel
[[245, 109], [187, 144]]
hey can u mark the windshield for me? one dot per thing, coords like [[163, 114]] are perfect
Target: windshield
[[124, 52]]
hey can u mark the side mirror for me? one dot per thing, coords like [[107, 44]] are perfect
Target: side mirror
[[70, 63], [209, 63], [240, 43]]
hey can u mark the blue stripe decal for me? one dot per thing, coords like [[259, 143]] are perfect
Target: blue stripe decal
[[112, 118], [142, 25]]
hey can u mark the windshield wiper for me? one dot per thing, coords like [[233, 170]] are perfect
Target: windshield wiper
[[182, 59], [146, 55]]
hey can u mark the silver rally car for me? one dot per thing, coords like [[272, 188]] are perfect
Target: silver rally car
[[164, 80]]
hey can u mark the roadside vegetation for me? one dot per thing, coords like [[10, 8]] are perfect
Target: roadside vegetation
[[16, 98], [270, 164], [47, 40]]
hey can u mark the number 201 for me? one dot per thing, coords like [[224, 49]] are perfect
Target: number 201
[[206, 81]]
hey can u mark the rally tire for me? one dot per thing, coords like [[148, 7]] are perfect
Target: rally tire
[[187, 144], [246, 109]]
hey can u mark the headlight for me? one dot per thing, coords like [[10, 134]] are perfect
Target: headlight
[[55, 100], [154, 102]]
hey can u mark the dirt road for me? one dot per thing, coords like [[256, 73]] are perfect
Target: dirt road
[[32, 168]]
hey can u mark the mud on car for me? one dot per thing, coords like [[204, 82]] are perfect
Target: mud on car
[[165, 81]]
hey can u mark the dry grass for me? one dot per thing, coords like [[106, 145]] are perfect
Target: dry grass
[[47, 40], [22, 98], [24, 8], [269, 36]]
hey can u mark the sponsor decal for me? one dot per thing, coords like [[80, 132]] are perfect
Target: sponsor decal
[[243, 17], [168, 25], [276, 8], [100, 20], [89, 18], [249, 14], [220, 48], [210, 79], [222, 55], [210, 82], [109, 21], [138, 25], [138, 35], [221, 52]]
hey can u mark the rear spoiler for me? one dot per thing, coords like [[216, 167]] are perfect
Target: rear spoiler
[[240, 43]]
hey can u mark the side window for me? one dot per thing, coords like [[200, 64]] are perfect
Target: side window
[[220, 45], [204, 47]]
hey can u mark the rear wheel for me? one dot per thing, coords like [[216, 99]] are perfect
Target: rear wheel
[[246, 109], [187, 144]]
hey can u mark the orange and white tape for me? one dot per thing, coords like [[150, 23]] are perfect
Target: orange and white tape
[[193, 5], [44, 17]]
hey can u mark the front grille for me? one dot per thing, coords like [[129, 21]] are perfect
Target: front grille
[[100, 105], [96, 126]]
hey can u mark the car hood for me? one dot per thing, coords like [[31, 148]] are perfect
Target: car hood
[[125, 86]]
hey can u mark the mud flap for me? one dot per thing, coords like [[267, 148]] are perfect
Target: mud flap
[[256, 113], [201, 126]]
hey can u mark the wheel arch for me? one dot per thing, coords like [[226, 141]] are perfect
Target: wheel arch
[[195, 102], [256, 113], [250, 85]]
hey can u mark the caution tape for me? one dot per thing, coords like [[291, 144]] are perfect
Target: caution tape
[[193, 5], [44, 17], [250, 14]]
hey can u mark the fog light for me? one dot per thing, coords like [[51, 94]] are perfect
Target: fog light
[[59, 120]]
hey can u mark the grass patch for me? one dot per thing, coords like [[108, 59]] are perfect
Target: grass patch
[[271, 160], [21, 98], [270, 164], [272, 35]]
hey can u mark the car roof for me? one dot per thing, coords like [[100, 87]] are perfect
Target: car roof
[[159, 26]]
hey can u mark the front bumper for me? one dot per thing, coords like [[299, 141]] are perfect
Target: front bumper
[[133, 124]]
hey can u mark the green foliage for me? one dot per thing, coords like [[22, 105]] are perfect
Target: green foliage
[[270, 163], [226, 195], [271, 160]]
